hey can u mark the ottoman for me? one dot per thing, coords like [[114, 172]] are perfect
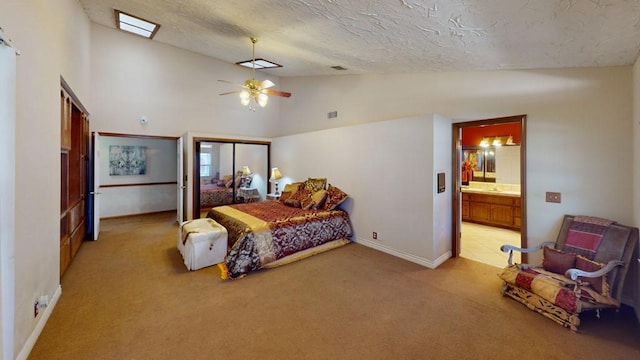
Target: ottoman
[[202, 243]]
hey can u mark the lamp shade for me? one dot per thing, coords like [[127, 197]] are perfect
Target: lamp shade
[[246, 171], [275, 175]]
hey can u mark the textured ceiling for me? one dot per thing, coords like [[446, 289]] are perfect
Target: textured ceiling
[[394, 36]]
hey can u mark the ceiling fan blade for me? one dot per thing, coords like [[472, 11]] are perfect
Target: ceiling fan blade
[[277, 93], [267, 84], [231, 92], [231, 82]]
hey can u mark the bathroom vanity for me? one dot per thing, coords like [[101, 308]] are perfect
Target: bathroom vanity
[[491, 207]]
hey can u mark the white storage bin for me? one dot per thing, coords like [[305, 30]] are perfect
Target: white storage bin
[[202, 243]]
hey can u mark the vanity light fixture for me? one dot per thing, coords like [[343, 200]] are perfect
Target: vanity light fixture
[[510, 140], [484, 142], [496, 142]]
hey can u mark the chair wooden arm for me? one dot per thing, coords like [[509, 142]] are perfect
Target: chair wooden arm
[[511, 248], [574, 273]]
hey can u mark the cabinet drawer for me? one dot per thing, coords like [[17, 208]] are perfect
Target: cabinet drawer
[[76, 215], [492, 199], [65, 254], [76, 238]]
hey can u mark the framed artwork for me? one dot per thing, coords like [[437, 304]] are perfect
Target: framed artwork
[[127, 160]]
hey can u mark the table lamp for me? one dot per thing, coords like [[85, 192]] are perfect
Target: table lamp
[[275, 176]]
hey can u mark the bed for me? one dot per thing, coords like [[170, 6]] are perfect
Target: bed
[[269, 234], [214, 195]]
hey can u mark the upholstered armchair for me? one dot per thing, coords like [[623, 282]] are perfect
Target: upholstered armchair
[[583, 270]]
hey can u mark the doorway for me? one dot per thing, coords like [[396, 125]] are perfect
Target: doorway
[[476, 205]]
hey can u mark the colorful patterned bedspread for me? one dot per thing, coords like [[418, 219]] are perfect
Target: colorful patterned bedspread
[[212, 195], [263, 232]]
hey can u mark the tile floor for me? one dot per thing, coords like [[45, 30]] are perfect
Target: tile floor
[[482, 243]]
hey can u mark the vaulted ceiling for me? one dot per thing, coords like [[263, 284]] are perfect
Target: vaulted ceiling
[[308, 37]]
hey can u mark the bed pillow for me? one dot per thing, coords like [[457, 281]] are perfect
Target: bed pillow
[[301, 195], [599, 284], [315, 184], [292, 202], [224, 180], [285, 195], [306, 203], [557, 261], [335, 197], [292, 188], [319, 198]]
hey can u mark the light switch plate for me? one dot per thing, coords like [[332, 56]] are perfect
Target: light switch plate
[[553, 197]]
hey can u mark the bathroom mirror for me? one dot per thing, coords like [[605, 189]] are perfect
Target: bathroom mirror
[[482, 161]]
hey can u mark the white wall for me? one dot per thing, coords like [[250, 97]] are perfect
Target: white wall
[[7, 197], [635, 123], [177, 90], [53, 37], [579, 134], [131, 200], [508, 164], [388, 169]]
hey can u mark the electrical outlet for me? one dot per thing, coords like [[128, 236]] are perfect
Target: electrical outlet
[[375, 235], [553, 197]]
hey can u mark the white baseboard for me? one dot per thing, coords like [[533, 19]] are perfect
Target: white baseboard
[[431, 264], [31, 341]]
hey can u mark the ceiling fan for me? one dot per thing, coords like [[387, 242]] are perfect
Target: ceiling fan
[[255, 91]]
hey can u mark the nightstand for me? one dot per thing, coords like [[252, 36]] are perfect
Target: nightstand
[[273, 197], [248, 194]]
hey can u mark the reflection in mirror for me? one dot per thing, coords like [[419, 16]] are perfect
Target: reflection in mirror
[[492, 164], [220, 177], [253, 187]]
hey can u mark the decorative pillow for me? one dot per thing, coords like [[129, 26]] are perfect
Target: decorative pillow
[[319, 197], [285, 195], [306, 203], [335, 197], [225, 179], [316, 184], [228, 183], [598, 284], [292, 202], [558, 261], [301, 195], [292, 187]]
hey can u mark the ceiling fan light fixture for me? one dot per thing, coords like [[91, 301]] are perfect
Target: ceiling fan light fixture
[[245, 97], [263, 99], [255, 91]]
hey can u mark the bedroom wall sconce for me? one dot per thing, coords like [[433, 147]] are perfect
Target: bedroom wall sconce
[[246, 171], [275, 176]]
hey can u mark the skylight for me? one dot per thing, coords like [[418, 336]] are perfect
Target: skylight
[[260, 64], [135, 25]]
